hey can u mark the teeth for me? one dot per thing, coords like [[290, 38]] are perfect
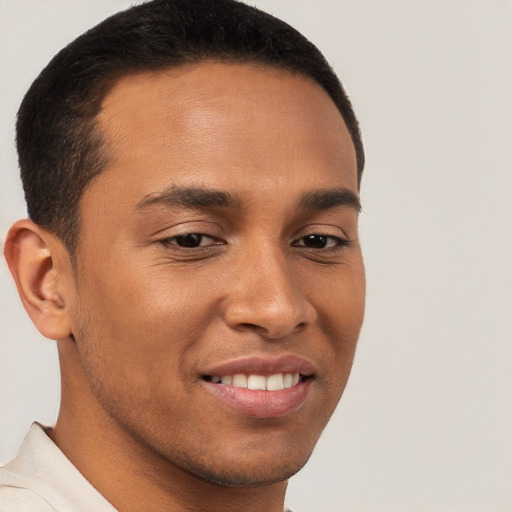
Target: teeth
[[288, 380], [257, 382], [274, 382], [240, 380]]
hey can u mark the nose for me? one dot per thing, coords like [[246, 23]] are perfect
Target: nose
[[266, 297]]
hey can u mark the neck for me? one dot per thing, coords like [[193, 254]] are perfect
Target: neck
[[128, 473]]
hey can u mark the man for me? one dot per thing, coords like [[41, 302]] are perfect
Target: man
[[191, 170]]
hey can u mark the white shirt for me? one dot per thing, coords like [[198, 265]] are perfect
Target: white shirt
[[42, 479]]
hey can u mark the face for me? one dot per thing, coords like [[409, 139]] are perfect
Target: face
[[220, 284]]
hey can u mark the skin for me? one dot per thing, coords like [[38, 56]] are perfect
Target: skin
[[140, 318]]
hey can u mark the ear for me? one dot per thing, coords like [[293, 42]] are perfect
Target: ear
[[43, 273]]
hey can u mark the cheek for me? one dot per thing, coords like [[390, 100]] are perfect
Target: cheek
[[341, 315], [134, 328], [340, 298]]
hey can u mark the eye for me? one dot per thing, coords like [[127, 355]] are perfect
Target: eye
[[190, 240], [317, 241]]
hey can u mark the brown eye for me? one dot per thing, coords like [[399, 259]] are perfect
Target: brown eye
[[315, 241], [189, 240]]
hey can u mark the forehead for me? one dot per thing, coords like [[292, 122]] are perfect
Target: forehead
[[216, 124]]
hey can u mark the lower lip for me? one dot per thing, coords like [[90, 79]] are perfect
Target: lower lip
[[262, 404]]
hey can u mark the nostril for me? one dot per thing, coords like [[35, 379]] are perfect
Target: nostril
[[251, 326], [271, 332]]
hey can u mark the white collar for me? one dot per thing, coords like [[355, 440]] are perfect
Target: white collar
[[43, 469]]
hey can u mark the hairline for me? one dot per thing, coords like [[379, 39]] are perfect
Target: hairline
[[104, 88]]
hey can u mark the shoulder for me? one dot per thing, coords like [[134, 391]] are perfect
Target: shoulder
[[42, 479], [16, 499]]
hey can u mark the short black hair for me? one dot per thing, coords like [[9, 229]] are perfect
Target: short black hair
[[59, 146]]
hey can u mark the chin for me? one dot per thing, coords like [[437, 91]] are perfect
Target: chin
[[244, 477], [248, 471]]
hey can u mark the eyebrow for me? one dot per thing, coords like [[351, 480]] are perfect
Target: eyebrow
[[193, 197], [189, 197], [331, 198]]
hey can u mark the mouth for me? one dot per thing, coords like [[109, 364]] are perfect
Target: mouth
[[260, 386], [274, 382]]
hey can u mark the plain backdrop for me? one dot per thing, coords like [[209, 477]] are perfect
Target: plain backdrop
[[426, 420]]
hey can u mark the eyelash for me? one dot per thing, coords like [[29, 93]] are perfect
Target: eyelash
[[338, 242], [172, 241]]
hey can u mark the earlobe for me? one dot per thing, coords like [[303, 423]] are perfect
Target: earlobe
[[41, 269]]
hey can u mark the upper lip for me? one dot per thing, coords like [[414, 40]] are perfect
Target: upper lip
[[262, 365]]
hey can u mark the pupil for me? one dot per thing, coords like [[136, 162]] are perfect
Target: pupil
[[315, 241], [189, 240]]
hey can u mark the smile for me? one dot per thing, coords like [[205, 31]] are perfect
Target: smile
[[275, 382], [261, 386]]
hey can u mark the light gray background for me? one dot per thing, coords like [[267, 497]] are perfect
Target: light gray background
[[426, 420]]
